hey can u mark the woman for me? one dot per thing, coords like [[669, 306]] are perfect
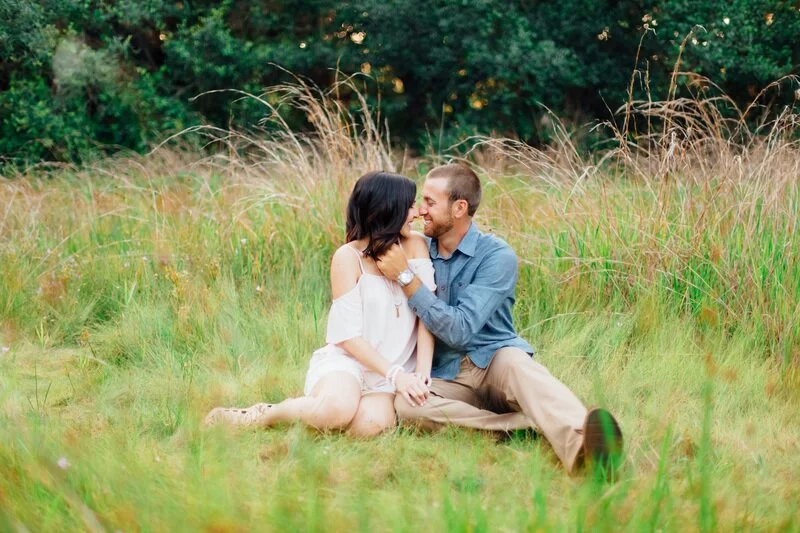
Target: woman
[[376, 346]]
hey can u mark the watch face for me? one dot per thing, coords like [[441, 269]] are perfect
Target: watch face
[[405, 277]]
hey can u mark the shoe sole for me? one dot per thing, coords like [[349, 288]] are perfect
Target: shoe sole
[[602, 438]]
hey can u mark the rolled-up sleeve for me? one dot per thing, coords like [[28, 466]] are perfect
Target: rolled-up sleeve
[[456, 325], [423, 268]]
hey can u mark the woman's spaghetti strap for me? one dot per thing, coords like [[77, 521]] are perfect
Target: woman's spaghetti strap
[[358, 254]]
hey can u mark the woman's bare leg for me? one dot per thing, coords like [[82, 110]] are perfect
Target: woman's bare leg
[[375, 415], [332, 404]]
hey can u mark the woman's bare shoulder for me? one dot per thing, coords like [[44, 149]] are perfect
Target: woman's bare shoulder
[[345, 270], [417, 245], [346, 252]]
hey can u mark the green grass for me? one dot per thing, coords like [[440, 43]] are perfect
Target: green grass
[[137, 295]]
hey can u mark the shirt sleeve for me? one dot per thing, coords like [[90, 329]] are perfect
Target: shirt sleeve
[[424, 270], [456, 325], [345, 317]]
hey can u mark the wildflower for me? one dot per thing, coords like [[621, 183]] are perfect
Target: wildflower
[[243, 241], [358, 37], [259, 289], [726, 21], [797, 94], [769, 18], [62, 463], [4, 350]]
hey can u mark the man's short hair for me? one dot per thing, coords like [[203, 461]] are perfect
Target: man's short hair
[[462, 184]]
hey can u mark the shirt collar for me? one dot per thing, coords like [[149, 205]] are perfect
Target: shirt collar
[[467, 245]]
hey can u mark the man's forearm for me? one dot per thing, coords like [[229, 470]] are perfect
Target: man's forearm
[[412, 287]]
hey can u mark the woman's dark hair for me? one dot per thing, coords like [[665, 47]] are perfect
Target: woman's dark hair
[[377, 209]]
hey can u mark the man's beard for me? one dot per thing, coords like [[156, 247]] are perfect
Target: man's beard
[[435, 229]]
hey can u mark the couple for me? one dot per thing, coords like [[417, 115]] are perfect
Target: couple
[[421, 330]]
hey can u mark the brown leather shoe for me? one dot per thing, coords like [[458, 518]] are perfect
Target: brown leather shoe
[[602, 440]]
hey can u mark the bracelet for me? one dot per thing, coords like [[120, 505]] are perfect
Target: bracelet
[[391, 375]]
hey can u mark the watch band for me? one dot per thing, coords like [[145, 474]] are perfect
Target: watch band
[[405, 278]]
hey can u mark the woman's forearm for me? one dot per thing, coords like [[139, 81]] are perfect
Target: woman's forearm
[[365, 354], [425, 343]]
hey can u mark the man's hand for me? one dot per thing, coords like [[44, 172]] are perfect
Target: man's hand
[[393, 262]]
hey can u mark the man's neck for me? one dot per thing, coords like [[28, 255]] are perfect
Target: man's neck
[[448, 242]]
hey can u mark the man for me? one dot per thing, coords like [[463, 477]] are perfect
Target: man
[[483, 373]]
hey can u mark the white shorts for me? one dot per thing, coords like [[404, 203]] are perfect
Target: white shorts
[[332, 359]]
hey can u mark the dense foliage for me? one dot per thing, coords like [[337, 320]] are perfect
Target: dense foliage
[[80, 76]]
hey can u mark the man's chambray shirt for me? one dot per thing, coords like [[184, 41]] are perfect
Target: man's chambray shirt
[[470, 314]]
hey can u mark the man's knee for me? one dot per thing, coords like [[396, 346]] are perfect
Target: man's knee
[[510, 369], [509, 358]]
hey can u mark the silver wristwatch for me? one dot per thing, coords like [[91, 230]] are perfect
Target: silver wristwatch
[[405, 277]]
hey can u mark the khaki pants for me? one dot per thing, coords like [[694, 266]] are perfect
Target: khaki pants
[[514, 392]]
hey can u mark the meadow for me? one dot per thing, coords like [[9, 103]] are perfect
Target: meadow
[[658, 278]]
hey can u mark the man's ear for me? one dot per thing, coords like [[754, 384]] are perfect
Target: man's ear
[[460, 208]]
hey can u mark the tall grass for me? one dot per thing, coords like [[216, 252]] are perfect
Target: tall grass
[[658, 277]]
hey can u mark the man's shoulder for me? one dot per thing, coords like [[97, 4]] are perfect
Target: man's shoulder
[[492, 245]]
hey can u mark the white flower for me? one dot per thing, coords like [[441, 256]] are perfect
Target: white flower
[[243, 241], [4, 349], [62, 463], [258, 288], [726, 21]]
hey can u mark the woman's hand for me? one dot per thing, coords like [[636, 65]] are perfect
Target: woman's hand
[[425, 377], [412, 388]]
